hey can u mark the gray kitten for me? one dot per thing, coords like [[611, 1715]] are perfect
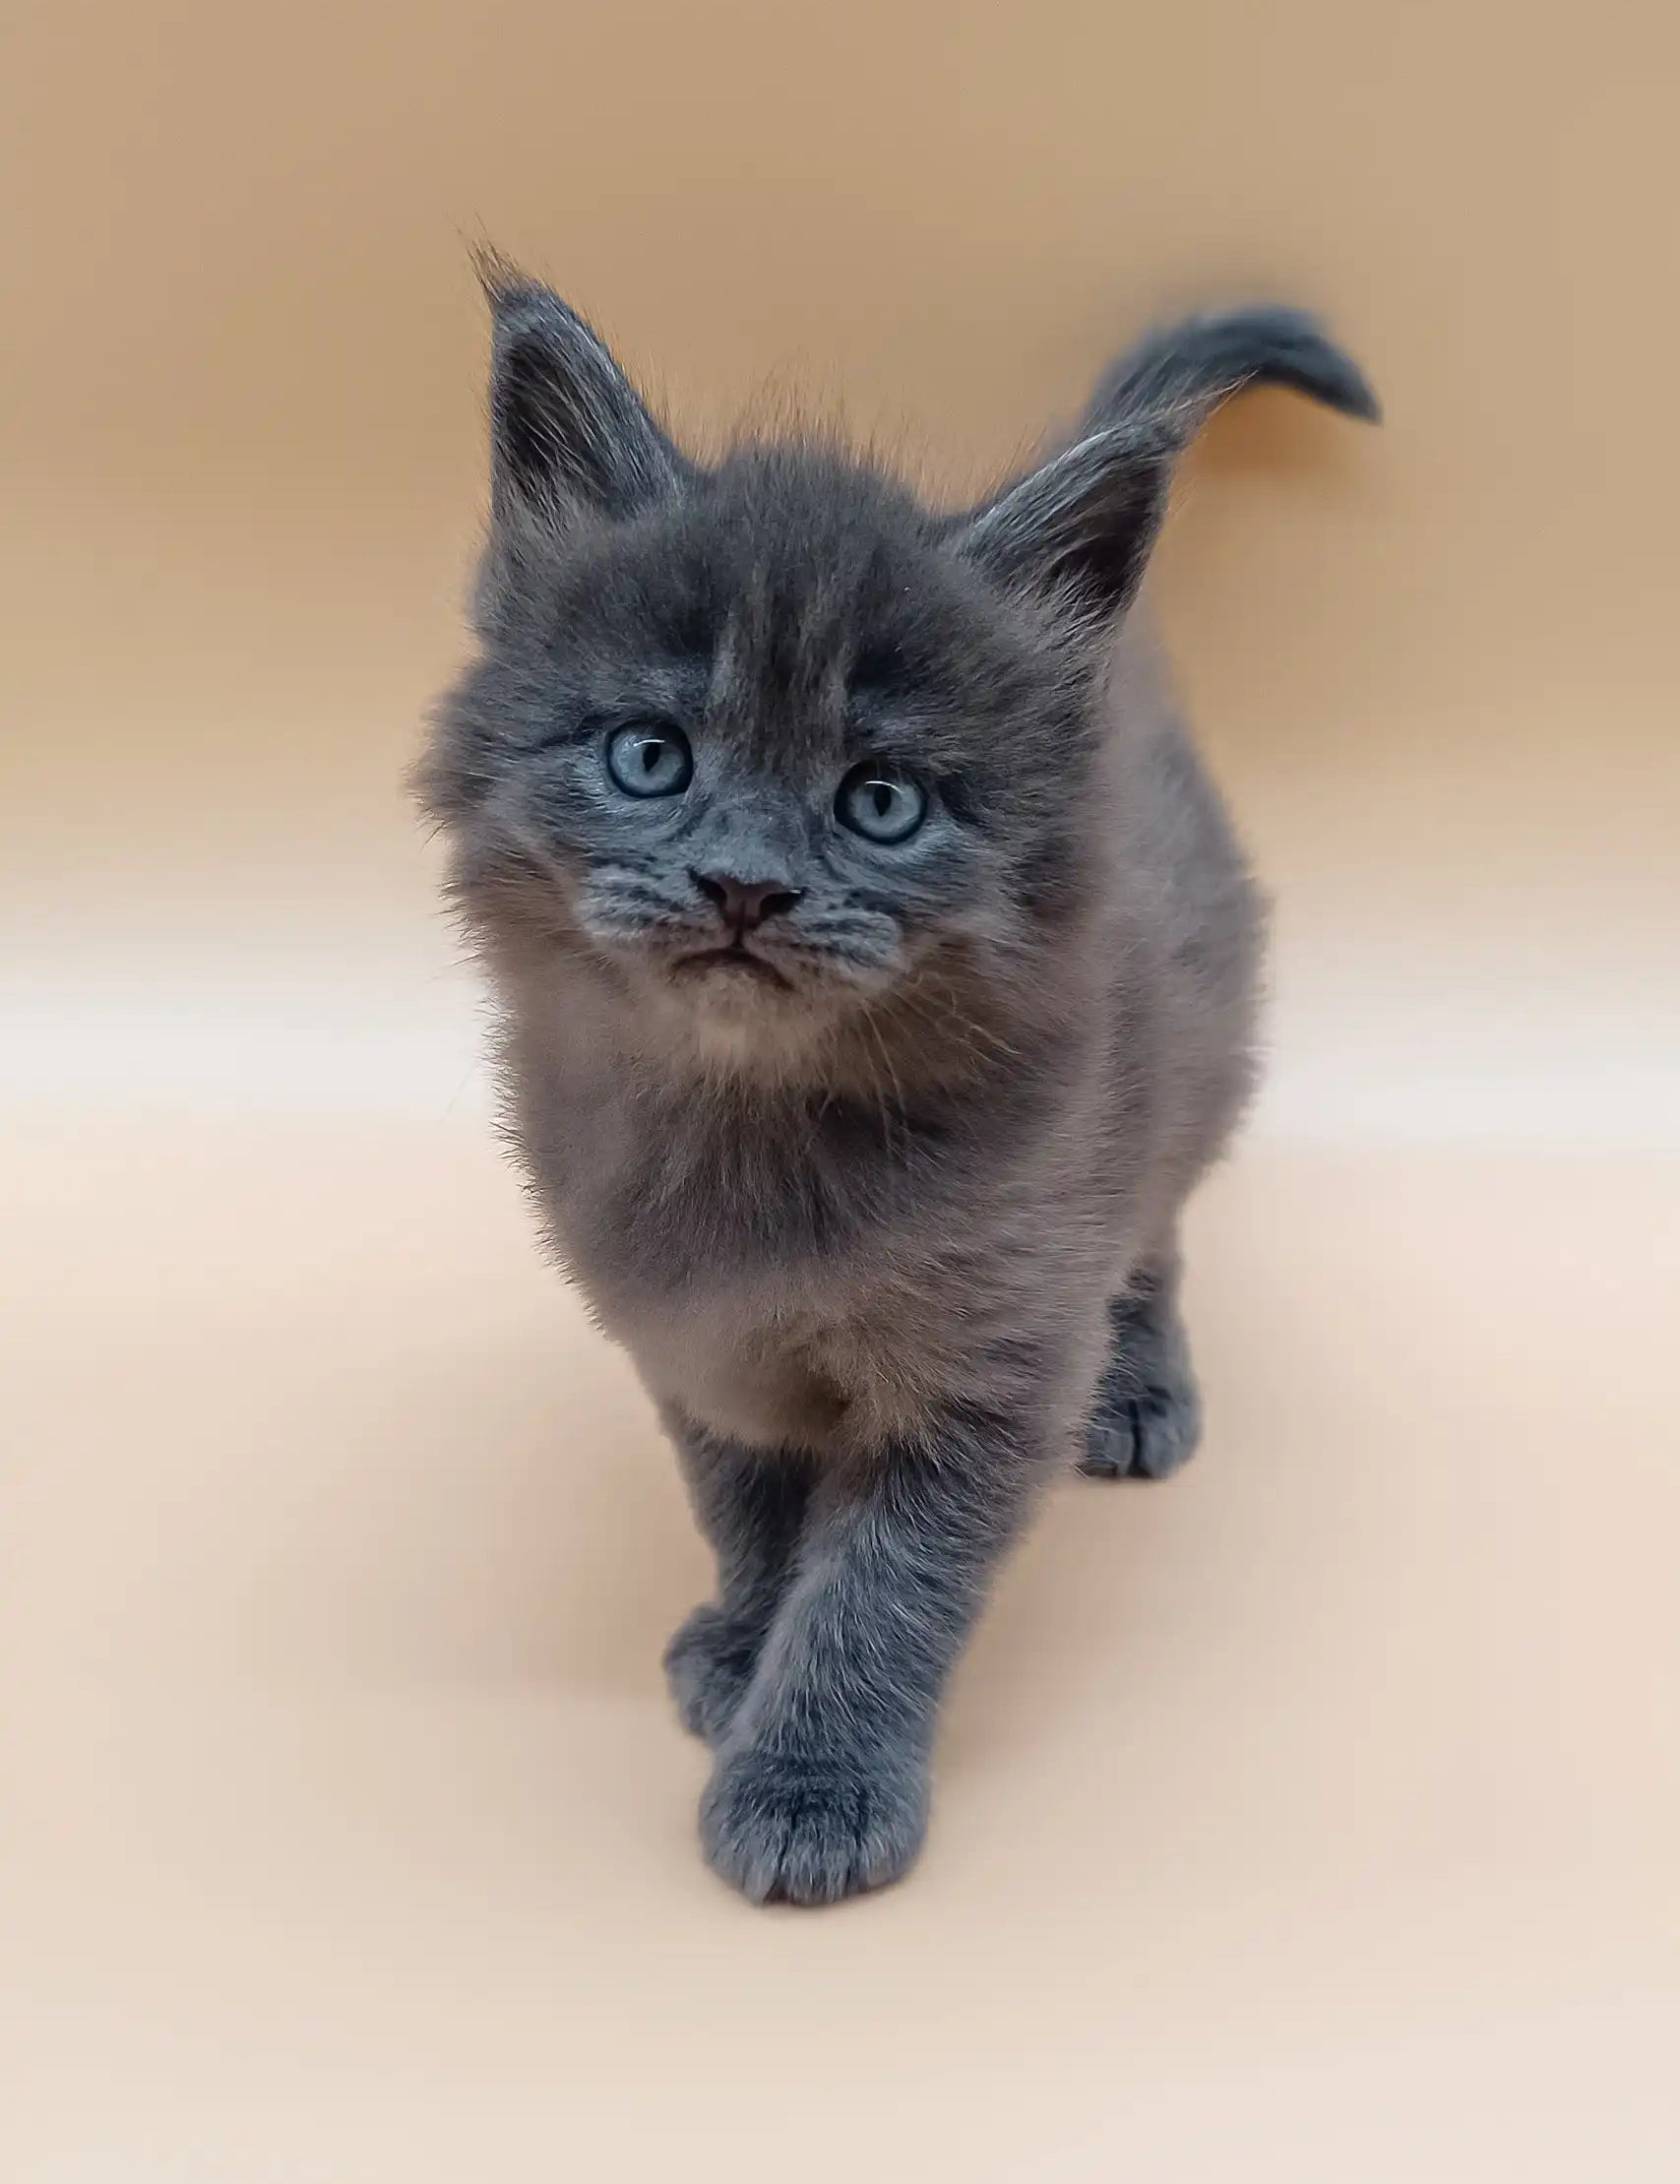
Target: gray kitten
[[875, 971]]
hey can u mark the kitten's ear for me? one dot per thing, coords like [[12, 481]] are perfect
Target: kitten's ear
[[1083, 524], [569, 433]]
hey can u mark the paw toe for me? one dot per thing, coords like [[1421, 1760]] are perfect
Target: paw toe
[[1110, 1446], [797, 1831], [1146, 1435]]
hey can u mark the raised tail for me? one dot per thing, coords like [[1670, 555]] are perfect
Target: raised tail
[[1179, 375]]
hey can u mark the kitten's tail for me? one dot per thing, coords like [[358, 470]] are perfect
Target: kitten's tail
[[1179, 375]]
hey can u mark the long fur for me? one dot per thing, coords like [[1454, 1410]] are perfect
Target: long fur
[[887, 1216]]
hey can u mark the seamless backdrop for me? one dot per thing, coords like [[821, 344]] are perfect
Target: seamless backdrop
[[1315, 1817]]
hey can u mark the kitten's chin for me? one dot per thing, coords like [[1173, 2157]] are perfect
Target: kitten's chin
[[740, 1013], [721, 970]]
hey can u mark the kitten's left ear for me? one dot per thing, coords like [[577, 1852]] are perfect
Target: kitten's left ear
[[1082, 522], [570, 434]]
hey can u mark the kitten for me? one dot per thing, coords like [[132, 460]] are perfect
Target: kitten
[[876, 972]]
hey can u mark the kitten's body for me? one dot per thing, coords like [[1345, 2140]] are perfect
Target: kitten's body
[[881, 1196], [977, 1166]]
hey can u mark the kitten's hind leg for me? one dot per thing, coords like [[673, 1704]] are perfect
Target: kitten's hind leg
[[1147, 1417], [751, 1507]]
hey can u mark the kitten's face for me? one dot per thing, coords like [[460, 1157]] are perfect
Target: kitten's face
[[770, 748], [764, 741]]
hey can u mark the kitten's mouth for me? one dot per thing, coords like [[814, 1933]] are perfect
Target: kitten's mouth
[[735, 961]]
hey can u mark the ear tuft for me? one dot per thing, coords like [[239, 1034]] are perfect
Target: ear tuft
[[570, 434]]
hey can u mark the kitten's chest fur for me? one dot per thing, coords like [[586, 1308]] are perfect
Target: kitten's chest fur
[[784, 1271]]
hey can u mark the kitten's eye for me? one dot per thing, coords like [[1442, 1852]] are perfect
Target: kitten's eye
[[881, 804], [650, 760]]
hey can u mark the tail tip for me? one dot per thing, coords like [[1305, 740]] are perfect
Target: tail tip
[[1202, 361], [1291, 347]]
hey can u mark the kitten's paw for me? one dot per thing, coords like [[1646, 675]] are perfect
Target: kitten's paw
[[709, 1664], [1147, 1418], [1143, 1432], [809, 1828]]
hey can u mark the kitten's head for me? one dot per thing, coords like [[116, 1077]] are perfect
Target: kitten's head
[[770, 739]]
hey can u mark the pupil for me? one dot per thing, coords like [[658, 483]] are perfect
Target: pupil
[[882, 798]]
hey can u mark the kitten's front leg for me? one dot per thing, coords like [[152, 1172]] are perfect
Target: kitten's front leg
[[821, 1785], [749, 1504]]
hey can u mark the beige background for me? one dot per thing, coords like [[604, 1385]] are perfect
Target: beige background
[[1315, 1817]]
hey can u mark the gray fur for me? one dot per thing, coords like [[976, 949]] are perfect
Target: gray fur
[[887, 1215]]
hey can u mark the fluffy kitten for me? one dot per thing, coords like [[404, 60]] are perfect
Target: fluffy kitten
[[876, 972]]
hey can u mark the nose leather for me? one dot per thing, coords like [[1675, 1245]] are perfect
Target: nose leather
[[744, 905]]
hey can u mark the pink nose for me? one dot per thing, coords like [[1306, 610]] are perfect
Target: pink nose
[[744, 905]]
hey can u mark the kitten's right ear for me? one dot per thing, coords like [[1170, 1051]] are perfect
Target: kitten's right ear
[[570, 435], [1082, 525]]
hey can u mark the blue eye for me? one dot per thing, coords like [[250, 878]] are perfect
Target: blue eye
[[881, 804], [650, 760]]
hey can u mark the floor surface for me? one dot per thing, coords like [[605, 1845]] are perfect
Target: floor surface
[[1316, 1815]]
